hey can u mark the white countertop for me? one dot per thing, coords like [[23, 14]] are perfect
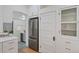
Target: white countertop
[[2, 39]]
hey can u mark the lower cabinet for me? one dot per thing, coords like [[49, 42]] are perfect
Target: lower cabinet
[[71, 46], [0, 47], [10, 46]]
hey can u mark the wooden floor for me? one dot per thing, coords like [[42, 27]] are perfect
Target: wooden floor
[[26, 50]]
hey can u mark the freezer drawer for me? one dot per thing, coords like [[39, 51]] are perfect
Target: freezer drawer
[[33, 44]]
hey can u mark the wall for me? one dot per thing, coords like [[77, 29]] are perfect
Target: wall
[[8, 11], [1, 18], [34, 10], [8, 15], [19, 23], [52, 8]]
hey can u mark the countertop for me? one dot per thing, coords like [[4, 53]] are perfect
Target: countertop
[[6, 38]]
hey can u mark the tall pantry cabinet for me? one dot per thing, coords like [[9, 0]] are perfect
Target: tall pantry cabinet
[[69, 28], [47, 32]]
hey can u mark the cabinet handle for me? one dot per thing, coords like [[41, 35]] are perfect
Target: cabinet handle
[[11, 48], [10, 42], [53, 38], [67, 48], [68, 42]]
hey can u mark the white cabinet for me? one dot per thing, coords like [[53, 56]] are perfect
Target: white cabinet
[[10, 46], [69, 31], [0, 47], [71, 46], [47, 32], [68, 22]]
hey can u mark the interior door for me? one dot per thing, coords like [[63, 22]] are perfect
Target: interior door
[[47, 32]]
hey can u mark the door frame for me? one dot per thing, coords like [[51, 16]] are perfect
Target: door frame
[[37, 31]]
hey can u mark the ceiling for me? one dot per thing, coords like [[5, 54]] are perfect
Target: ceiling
[[41, 6]]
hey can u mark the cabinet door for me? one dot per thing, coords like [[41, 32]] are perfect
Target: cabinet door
[[69, 30], [68, 22], [47, 32], [0, 47]]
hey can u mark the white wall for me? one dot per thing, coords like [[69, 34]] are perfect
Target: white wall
[[8, 15], [8, 11], [52, 8], [34, 10], [1, 18]]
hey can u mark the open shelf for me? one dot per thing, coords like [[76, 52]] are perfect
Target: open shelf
[[69, 32], [68, 22]]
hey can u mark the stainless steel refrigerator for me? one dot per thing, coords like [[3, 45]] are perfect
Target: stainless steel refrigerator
[[34, 33]]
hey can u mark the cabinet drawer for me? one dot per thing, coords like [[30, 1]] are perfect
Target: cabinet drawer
[[10, 50], [33, 44], [67, 46], [10, 43], [71, 46], [75, 46], [68, 50]]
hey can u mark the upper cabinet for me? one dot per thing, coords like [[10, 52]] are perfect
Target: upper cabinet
[[69, 22]]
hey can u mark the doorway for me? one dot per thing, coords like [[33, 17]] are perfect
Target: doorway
[[19, 19]]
